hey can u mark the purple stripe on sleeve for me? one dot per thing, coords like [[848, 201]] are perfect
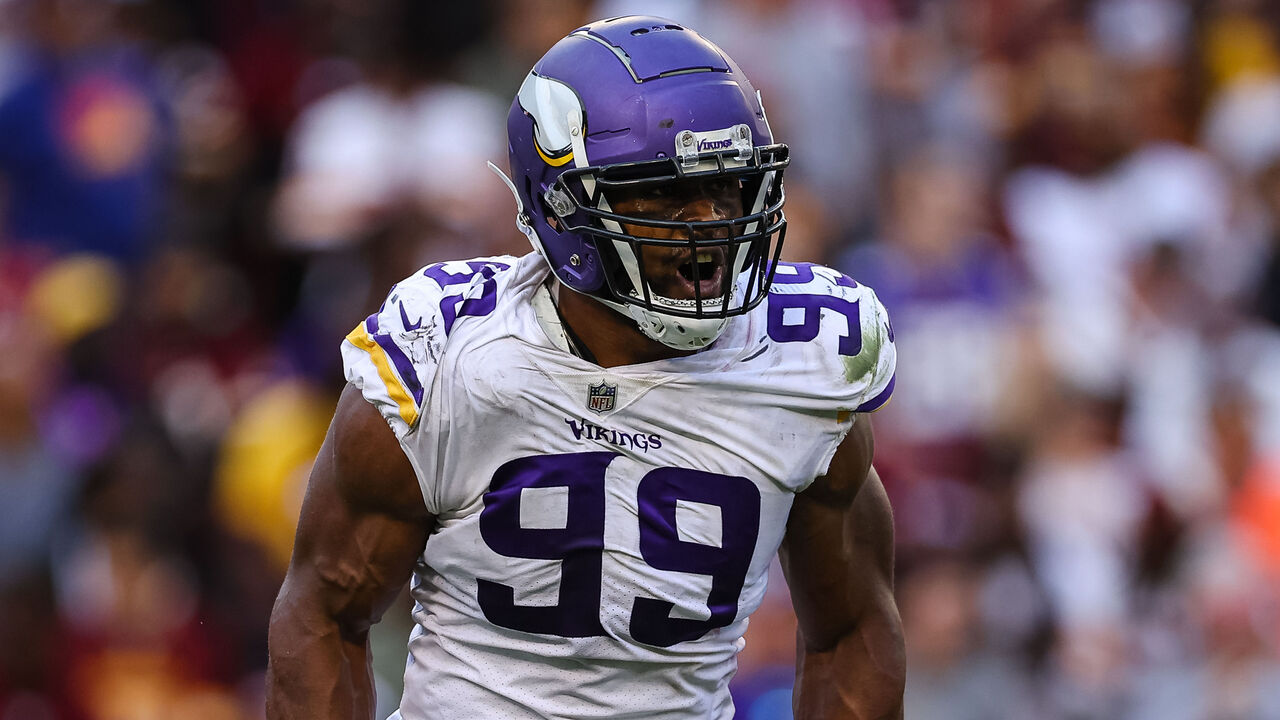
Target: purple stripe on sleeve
[[883, 397], [405, 368]]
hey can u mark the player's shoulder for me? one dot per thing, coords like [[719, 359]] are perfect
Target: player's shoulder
[[832, 334], [393, 354], [446, 292], [804, 296], [806, 278]]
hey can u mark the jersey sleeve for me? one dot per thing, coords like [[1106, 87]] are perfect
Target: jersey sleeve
[[838, 336], [392, 355], [879, 360]]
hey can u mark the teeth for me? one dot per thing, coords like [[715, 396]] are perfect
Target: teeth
[[704, 256]]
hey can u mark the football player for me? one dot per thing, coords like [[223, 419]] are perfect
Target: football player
[[587, 456]]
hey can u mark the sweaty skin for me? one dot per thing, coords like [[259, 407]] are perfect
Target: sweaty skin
[[837, 556], [688, 201], [363, 526]]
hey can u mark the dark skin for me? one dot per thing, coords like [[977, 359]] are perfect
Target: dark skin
[[363, 527], [614, 339], [837, 556]]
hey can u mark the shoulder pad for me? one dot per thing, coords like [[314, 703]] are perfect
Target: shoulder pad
[[392, 355], [848, 352]]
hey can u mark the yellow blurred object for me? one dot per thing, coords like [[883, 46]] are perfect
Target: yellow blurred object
[[76, 295], [264, 463], [1236, 45], [141, 685], [126, 685]]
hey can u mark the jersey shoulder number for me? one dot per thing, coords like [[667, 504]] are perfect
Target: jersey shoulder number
[[847, 345], [392, 354]]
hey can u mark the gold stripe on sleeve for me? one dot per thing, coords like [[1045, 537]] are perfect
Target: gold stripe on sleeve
[[361, 338]]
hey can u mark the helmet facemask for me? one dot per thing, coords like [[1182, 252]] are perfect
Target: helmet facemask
[[724, 264]]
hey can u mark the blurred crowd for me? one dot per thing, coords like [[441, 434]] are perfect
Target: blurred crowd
[[1070, 208]]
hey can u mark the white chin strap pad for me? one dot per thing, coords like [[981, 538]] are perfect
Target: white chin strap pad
[[674, 332]]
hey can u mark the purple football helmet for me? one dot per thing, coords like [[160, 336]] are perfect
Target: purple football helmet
[[629, 105]]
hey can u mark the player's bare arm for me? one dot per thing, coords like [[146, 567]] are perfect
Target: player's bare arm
[[838, 559], [363, 525]]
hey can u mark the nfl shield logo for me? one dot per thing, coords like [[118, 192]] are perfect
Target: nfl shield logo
[[600, 397]]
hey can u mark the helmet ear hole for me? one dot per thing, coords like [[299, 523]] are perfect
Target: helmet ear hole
[[558, 202], [547, 212], [528, 189]]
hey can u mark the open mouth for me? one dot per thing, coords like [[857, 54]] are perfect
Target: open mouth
[[700, 273], [706, 266]]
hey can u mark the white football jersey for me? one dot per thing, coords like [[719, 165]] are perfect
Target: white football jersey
[[603, 534]]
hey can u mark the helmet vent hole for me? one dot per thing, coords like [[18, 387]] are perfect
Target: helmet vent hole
[[640, 31], [673, 27]]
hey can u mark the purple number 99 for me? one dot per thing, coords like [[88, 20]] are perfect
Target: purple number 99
[[661, 546], [456, 306], [810, 307], [579, 545]]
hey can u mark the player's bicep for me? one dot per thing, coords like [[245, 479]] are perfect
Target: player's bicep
[[363, 523], [837, 553]]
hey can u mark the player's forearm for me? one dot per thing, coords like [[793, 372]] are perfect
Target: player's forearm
[[317, 668], [861, 677]]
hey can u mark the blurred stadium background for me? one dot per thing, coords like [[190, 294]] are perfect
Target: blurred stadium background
[[1071, 210]]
